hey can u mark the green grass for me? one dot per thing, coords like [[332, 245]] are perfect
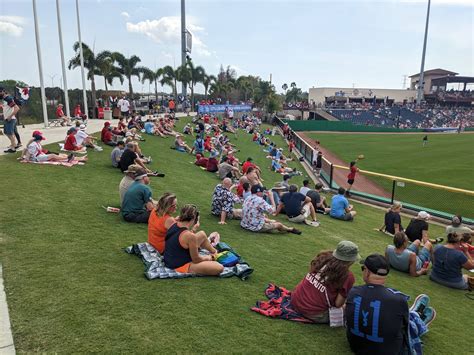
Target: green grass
[[71, 288], [446, 160]]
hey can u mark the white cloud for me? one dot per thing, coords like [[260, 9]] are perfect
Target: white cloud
[[12, 25], [167, 31], [125, 14]]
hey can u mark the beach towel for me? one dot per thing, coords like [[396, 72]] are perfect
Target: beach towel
[[155, 267], [82, 151], [61, 163], [279, 305]]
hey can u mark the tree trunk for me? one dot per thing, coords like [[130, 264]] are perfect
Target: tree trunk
[[130, 89], [175, 89], [205, 92], [106, 88], [94, 98], [192, 96], [156, 92]]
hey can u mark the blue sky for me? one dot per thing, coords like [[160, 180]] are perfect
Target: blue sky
[[366, 43]]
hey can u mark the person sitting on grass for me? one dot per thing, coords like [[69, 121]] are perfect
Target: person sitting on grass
[[408, 257], [298, 207], [246, 190], [71, 144], [252, 177], [254, 209], [106, 135], [82, 138], [227, 170], [130, 156], [137, 201], [213, 163], [180, 146], [329, 280], [286, 181], [418, 227], [35, 153], [448, 262], [198, 146], [161, 220], [116, 154], [392, 220], [127, 180], [201, 161], [457, 227], [340, 208], [223, 200], [319, 202], [305, 188], [182, 244]]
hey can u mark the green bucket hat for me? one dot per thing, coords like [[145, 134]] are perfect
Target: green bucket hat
[[346, 251]]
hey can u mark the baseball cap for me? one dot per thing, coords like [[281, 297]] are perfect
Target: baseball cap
[[38, 137], [140, 174], [36, 133], [346, 251], [377, 264], [424, 215], [257, 188], [82, 127], [132, 168]]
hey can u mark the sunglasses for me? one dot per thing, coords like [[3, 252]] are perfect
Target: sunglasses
[[363, 267]]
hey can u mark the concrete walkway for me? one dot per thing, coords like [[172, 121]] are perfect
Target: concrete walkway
[[6, 338], [52, 134]]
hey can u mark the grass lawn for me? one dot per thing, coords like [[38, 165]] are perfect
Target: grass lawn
[[71, 288], [446, 160]]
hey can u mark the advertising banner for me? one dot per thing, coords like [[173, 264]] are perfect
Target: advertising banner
[[203, 109]]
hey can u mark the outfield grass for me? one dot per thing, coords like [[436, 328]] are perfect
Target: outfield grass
[[446, 160], [71, 288]]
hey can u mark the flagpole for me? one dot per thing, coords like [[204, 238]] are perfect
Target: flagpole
[[421, 82], [81, 55], [183, 44], [40, 67], [60, 33]]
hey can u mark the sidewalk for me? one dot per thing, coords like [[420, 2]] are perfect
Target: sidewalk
[[6, 339]]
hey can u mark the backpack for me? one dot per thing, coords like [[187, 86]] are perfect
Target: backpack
[[227, 258]]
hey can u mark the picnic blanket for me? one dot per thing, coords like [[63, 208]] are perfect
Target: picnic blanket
[[62, 163], [155, 267], [82, 151], [279, 305]]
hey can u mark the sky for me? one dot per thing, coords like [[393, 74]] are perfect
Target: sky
[[314, 43]]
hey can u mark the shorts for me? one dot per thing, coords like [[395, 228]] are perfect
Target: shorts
[[41, 158], [181, 149], [184, 268], [268, 227], [9, 127], [350, 181], [305, 212], [321, 318], [236, 214], [345, 217], [125, 113], [423, 255], [460, 285]]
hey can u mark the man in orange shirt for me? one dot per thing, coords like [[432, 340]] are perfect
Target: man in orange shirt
[[171, 105]]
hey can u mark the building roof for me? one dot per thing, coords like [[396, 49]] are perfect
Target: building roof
[[437, 71]]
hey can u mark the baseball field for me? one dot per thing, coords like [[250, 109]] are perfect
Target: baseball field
[[446, 159]]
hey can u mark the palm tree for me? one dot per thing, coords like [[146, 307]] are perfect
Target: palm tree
[[128, 68], [91, 63], [206, 82], [183, 75], [264, 92], [245, 86], [152, 76], [197, 75], [293, 85], [169, 78], [284, 87], [106, 68]]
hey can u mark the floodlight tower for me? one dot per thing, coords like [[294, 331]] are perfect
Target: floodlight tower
[[183, 43], [421, 82]]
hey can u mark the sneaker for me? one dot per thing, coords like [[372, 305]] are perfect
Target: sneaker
[[437, 240], [98, 149], [70, 157], [9, 150], [428, 315], [18, 145], [314, 224], [295, 231], [420, 304]]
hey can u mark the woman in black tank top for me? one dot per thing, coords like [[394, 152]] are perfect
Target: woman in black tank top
[[182, 246]]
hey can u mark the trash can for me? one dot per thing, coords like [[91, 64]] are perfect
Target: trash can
[[107, 113]]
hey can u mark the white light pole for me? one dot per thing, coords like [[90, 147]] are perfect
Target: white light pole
[[63, 63], [40, 67], [421, 82], [81, 55], [183, 42]]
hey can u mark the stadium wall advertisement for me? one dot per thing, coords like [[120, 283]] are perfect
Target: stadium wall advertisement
[[340, 126], [202, 109]]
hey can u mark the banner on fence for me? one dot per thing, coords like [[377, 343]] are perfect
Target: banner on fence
[[222, 108]]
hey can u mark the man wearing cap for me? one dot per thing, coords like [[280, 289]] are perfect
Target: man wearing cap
[[298, 207], [223, 200], [10, 109], [127, 180], [376, 316], [61, 116], [418, 227], [137, 201], [319, 202], [82, 138], [254, 209]]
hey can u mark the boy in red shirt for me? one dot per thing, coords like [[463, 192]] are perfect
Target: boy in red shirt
[[71, 144], [351, 176]]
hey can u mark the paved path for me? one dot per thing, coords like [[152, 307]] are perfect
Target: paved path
[[6, 338]]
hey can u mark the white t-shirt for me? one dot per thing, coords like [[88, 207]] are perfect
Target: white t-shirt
[[7, 110], [230, 113], [124, 105], [81, 136], [34, 149], [304, 190]]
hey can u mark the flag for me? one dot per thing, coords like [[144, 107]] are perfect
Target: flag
[[24, 93]]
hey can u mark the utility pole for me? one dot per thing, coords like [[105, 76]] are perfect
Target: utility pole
[[404, 81], [40, 67], [421, 82], [63, 63], [81, 55], [183, 43]]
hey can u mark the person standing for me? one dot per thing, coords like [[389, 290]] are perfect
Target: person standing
[[377, 317], [124, 106], [425, 140], [10, 109], [351, 177]]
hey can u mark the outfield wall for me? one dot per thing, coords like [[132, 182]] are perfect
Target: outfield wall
[[340, 126]]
